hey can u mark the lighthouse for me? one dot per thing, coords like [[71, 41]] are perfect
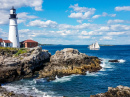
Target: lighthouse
[[13, 30]]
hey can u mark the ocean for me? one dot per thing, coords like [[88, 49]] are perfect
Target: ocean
[[111, 75]]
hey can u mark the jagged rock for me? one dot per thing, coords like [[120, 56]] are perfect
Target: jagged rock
[[69, 61], [119, 91], [113, 61], [15, 68]]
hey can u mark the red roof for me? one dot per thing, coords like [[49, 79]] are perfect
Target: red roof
[[7, 41], [1, 40], [30, 41]]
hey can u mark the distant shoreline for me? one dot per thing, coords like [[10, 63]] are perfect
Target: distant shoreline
[[79, 44]]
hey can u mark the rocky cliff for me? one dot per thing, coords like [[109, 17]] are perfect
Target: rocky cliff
[[119, 91], [69, 61], [24, 65]]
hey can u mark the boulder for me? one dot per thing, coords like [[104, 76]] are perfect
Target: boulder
[[113, 61], [119, 91], [69, 61]]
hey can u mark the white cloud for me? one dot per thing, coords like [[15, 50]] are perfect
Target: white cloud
[[24, 30], [104, 14], [43, 24], [79, 21], [81, 12], [112, 15], [76, 8], [79, 27], [91, 33], [125, 8], [4, 17], [67, 32], [85, 15], [117, 21], [7, 4], [115, 33], [96, 16], [53, 24], [24, 15], [103, 28], [3, 34], [84, 33], [21, 21], [106, 38], [84, 37], [119, 27]]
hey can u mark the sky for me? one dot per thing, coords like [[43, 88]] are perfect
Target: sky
[[80, 22]]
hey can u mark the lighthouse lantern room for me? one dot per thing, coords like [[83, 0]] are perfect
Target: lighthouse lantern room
[[13, 30]]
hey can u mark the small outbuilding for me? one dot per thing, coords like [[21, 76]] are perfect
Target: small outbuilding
[[30, 43], [7, 43]]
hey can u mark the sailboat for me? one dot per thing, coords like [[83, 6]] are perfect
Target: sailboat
[[94, 46]]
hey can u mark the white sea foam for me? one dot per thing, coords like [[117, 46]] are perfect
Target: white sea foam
[[95, 74], [64, 78], [42, 80], [29, 88], [106, 66], [121, 61], [19, 89]]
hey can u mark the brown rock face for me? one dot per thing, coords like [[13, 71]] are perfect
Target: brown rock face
[[69, 61], [15, 68], [119, 91]]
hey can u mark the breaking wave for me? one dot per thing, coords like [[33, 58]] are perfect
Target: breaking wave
[[29, 89], [64, 78], [121, 61]]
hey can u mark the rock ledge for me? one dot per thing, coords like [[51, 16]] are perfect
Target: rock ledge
[[69, 61], [119, 91]]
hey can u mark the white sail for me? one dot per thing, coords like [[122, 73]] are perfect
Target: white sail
[[91, 46], [94, 46], [97, 45]]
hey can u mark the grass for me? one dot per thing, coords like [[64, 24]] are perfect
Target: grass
[[9, 49], [21, 51], [18, 50]]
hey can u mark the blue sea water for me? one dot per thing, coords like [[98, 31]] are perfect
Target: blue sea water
[[111, 75]]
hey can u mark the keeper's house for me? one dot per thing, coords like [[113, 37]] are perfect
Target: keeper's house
[[5, 43], [28, 43]]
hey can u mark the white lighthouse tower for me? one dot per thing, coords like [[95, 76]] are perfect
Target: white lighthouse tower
[[13, 30]]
